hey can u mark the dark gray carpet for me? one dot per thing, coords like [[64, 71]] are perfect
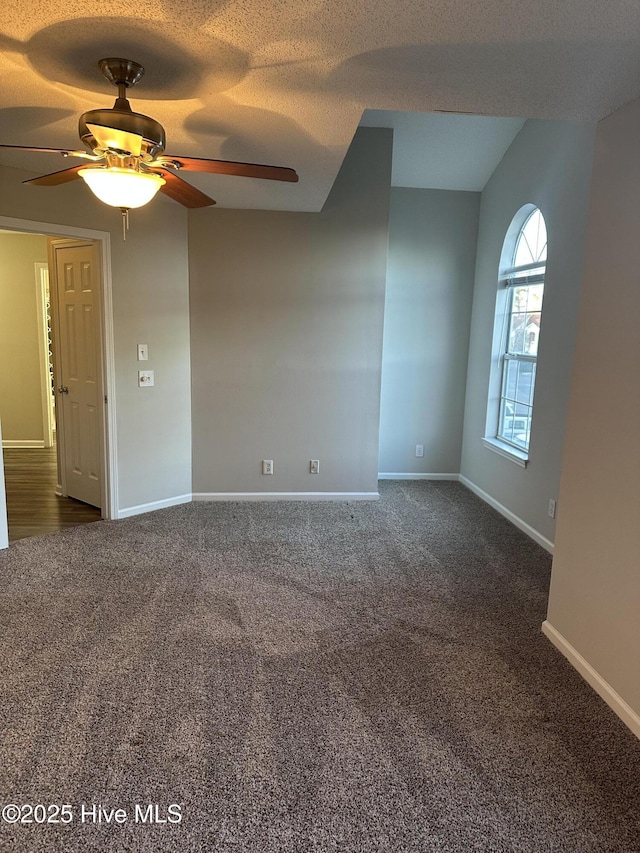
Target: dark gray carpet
[[304, 677]]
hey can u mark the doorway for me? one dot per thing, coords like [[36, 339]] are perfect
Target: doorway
[[82, 464], [33, 506]]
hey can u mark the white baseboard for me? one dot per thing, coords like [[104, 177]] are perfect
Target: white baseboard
[[128, 511], [386, 476], [617, 704], [9, 442], [547, 544], [286, 496]]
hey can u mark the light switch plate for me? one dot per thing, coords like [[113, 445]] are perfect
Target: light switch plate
[[145, 378], [143, 352]]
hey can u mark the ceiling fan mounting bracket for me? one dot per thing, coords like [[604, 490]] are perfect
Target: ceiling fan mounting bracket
[[121, 72]]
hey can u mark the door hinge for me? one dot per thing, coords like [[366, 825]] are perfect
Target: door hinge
[[106, 399]]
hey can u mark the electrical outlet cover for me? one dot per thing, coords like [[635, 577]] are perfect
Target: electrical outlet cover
[[145, 378]]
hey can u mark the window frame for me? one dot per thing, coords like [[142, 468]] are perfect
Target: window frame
[[510, 278]]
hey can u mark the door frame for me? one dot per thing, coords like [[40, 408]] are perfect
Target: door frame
[[110, 456], [48, 417]]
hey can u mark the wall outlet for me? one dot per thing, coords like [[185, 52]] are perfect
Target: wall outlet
[[267, 466], [314, 466], [552, 508], [143, 352], [145, 378], [420, 450]]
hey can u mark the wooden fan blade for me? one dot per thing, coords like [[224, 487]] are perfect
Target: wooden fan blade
[[110, 137], [66, 152], [56, 178], [229, 167], [181, 191], [40, 150]]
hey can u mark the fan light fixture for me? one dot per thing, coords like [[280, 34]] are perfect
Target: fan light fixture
[[127, 150], [123, 188]]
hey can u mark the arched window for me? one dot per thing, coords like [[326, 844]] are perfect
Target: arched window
[[523, 281]]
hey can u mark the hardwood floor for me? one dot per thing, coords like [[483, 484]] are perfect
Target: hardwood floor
[[33, 508]]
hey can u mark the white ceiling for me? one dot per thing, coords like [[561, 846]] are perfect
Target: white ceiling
[[444, 152], [287, 82]]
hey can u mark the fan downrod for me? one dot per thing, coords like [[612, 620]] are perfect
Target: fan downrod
[[120, 121]]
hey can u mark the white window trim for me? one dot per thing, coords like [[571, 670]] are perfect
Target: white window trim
[[508, 451], [490, 440]]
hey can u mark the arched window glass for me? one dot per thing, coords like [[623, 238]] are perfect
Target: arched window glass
[[524, 281], [531, 245]]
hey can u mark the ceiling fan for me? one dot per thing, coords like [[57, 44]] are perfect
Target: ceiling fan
[[127, 165]]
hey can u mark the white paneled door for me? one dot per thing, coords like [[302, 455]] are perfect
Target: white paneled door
[[78, 370]]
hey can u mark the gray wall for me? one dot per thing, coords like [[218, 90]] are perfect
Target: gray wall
[[150, 305], [286, 334], [595, 585], [549, 165], [430, 275], [20, 369]]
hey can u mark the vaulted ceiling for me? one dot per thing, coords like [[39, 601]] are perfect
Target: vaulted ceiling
[[287, 82]]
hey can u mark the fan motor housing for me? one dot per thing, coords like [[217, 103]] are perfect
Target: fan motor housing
[[151, 131]]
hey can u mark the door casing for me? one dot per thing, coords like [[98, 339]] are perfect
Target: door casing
[[48, 416], [110, 478]]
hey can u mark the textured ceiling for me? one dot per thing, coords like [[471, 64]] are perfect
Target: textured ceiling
[[287, 82], [444, 152]]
